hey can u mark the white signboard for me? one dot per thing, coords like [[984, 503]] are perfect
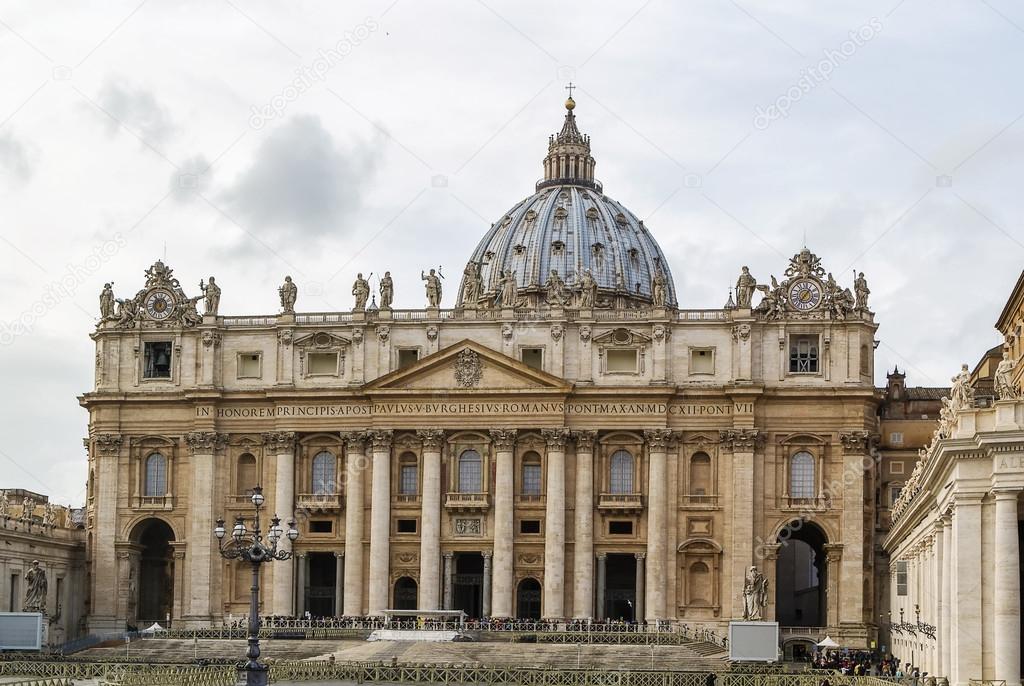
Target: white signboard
[[754, 641], [21, 630]]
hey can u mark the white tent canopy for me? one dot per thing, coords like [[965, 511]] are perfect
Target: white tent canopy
[[827, 642], [155, 628]]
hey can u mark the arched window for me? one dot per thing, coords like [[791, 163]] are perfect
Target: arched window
[[246, 477], [621, 472], [406, 596], [700, 474], [156, 476], [801, 475], [408, 474], [700, 584], [470, 472], [323, 473], [531, 474]]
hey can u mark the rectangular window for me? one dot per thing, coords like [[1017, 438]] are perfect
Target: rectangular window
[[321, 526], [531, 479], [156, 360], [896, 467], [322, 364], [407, 357], [803, 354], [529, 526], [406, 526], [702, 360], [896, 438], [619, 528], [894, 494], [407, 480], [901, 578], [532, 357], [249, 366], [621, 361]]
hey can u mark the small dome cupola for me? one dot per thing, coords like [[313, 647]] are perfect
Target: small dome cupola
[[569, 161]]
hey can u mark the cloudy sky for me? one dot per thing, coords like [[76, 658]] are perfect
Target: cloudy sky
[[251, 139]]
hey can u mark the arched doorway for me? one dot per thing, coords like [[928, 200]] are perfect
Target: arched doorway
[[801, 576], [155, 594], [406, 594], [528, 599]]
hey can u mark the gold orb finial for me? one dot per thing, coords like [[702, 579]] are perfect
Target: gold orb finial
[[570, 104]]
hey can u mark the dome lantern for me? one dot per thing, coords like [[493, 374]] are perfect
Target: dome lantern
[[569, 161]]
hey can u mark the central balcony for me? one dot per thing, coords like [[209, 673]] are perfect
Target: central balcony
[[466, 502], [620, 503], [319, 502]]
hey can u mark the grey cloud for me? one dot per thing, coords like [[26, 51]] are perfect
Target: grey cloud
[[301, 181], [190, 179], [138, 109], [15, 159]]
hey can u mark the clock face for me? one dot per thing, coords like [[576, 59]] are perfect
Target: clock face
[[805, 294], [159, 304]]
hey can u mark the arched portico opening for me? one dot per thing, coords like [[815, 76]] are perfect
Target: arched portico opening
[[801, 576], [155, 584], [528, 599], [406, 594]]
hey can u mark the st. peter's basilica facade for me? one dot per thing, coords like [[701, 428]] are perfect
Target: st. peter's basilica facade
[[565, 442]]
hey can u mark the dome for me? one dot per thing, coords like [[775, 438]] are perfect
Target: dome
[[571, 226]]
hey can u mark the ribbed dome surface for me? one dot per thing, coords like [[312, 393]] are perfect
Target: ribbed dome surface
[[573, 228]]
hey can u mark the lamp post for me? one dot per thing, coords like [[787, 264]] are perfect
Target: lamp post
[[248, 545]]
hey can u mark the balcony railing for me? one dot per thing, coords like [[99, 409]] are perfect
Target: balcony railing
[[466, 502], [154, 502], [527, 499], [405, 498], [620, 502], [319, 502]]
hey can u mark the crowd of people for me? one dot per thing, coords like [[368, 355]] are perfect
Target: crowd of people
[[863, 663]]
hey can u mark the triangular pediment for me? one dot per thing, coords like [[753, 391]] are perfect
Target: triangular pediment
[[468, 367]]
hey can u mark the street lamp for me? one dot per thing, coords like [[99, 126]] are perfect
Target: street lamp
[[249, 546]]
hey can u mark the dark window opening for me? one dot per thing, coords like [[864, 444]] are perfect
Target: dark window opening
[[321, 526], [620, 528], [407, 357], [406, 526], [157, 360], [529, 526]]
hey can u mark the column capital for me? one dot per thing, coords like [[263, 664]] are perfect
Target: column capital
[[857, 441], [740, 440], [448, 555], [486, 554], [202, 442], [1006, 493], [355, 441], [555, 438], [279, 441], [504, 439], [602, 556], [339, 555], [771, 551], [381, 439], [640, 557], [584, 439], [432, 439], [833, 551], [659, 439], [108, 444]]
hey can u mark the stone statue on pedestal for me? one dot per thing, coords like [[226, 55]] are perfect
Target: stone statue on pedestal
[[755, 595], [588, 290], [49, 516], [5, 505], [107, 302], [28, 508], [471, 285], [361, 290], [659, 289], [860, 288], [289, 292], [211, 292], [745, 285], [387, 291], [1005, 388], [433, 287], [35, 589], [509, 289], [555, 289]]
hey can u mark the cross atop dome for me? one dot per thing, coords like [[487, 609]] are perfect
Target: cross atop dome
[[568, 161]]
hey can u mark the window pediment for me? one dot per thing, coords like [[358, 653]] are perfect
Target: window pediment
[[321, 340], [622, 337]]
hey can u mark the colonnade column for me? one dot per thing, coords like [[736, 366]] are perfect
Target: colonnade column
[[504, 480], [300, 587], [430, 520], [583, 527], [339, 587], [380, 522], [106, 452], [741, 551], [657, 523], [201, 445], [935, 596], [355, 465], [602, 560], [967, 589], [553, 603], [856, 447], [485, 610], [448, 581], [281, 444], [640, 595], [833, 558], [1007, 589], [947, 585]]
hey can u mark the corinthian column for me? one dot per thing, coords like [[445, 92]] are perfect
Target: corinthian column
[[583, 527], [1007, 589], [355, 464], [282, 445], [741, 553], [201, 445], [657, 523], [380, 521], [430, 520], [503, 563], [554, 537]]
